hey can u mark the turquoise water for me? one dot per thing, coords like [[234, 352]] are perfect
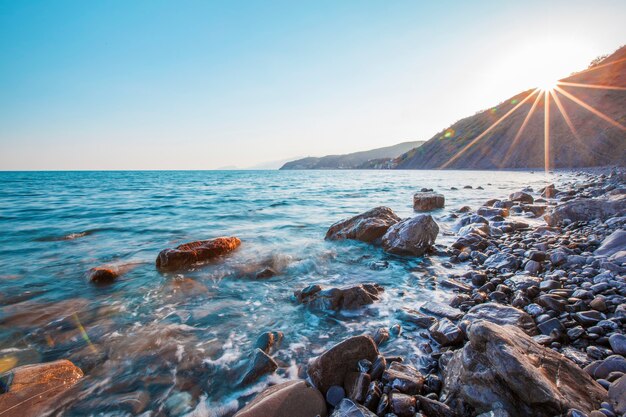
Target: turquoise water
[[181, 340]]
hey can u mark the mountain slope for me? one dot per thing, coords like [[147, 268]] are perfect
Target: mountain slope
[[597, 141], [363, 159]]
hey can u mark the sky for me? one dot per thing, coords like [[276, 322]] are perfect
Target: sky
[[210, 84]]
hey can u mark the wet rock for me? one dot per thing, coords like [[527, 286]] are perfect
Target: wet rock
[[102, 275], [428, 201], [33, 389], [348, 408], [378, 367], [618, 343], [551, 325], [356, 385], [292, 398], [411, 237], [446, 333], [536, 209], [441, 310], [266, 273], [492, 212], [522, 197], [586, 209], [532, 267], [614, 247], [260, 365], [367, 227], [502, 315], [192, 253], [335, 394], [502, 261], [381, 336], [538, 381], [601, 369], [402, 405], [331, 367], [404, 378], [617, 395], [372, 398], [347, 298], [269, 340]]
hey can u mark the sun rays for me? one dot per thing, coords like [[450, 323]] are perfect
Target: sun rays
[[547, 93]]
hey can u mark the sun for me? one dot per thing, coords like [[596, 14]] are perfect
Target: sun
[[547, 84]]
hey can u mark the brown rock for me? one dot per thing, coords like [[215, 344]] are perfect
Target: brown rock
[[586, 209], [289, 399], [347, 298], [261, 364], [102, 275], [367, 227], [331, 367], [412, 237], [188, 254], [428, 201], [33, 388], [404, 378], [502, 315]]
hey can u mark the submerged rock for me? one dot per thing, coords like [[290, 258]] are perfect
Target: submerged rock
[[332, 366], [347, 298], [587, 209], [428, 201], [102, 275], [31, 390], [292, 398], [501, 364], [412, 236], [189, 254], [367, 227]]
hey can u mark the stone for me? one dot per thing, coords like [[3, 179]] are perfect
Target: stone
[[492, 212], [34, 389], [588, 318], [587, 209], [428, 201], [446, 333], [356, 385], [551, 325], [367, 227], [532, 267], [102, 275], [402, 405], [372, 398], [613, 247], [502, 315], [261, 364], [521, 197], [189, 254], [269, 340], [536, 209], [348, 408], [441, 310], [292, 398], [335, 394], [381, 336], [411, 237], [501, 364], [331, 367], [502, 261], [346, 298], [600, 369], [434, 408], [618, 343], [617, 395], [404, 378]]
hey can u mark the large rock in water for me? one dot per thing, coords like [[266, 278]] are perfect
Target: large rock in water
[[502, 315], [502, 365], [587, 209], [411, 236], [367, 227], [614, 247], [348, 298], [428, 201], [292, 398], [188, 254], [331, 367], [32, 389]]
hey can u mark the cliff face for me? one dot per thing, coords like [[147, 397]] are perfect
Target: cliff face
[[375, 158], [588, 139]]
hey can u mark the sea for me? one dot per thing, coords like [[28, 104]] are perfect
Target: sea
[[176, 344]]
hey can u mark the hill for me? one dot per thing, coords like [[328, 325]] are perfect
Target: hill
[[374, 158], [586, 113]]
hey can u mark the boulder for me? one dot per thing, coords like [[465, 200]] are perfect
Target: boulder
[[189, 254], [446, 333], [331, 367], [521, 197], [261, 364], [292, 398], [502, 315], [428, 201], [347, 298], [367, 227], [412, 236], [502, 364], [587, 209], [32, 389], [614, 247]]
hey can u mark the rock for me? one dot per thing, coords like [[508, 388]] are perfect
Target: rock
[[265, 273], [260, 365], [502, 261], [613, 247], [33, 389], [428, 201], [551, 325], [587, 209], [356, 384], [367, 227], [532, 267], [348, 408], [434, 408], [402, 405], [522, 197], [502, 315], [492, 212], [536, 209], [335, 394], [600, 369], [404, 378], [502, 364], [189, 254], [618, 343], [331, 367], [441, 310], [269, 340], [347, 298], [102, 275], [412, 236], [588, 318], [617, 395], [446, 333], [292, 398]]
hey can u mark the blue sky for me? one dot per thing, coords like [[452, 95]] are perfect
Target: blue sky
[[202, 85]]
